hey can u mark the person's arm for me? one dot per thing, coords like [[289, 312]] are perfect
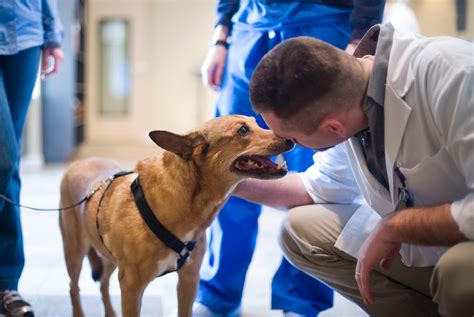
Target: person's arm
[[214, 63], [53, 38], [213, 66], [283, 193], [365, 14], [328, 180], [424, 226]]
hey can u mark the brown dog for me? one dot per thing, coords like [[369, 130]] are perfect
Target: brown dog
[[185, 187]]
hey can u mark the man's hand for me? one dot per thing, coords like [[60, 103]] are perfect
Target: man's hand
[[433, 225], [379, 248], [57, 55], [213, 67]]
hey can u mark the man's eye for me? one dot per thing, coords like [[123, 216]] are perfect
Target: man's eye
[[243, 130]]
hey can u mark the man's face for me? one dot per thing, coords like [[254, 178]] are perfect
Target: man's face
[[321, 139]]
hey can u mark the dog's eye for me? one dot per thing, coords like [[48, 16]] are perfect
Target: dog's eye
[[243, 130]]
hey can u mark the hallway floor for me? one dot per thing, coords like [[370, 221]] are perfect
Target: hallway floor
[[46, 284]]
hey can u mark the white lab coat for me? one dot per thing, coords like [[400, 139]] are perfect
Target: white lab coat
[[429, 135]]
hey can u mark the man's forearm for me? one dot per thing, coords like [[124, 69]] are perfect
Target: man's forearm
[[221, 32], [425, 225], [283, 193]]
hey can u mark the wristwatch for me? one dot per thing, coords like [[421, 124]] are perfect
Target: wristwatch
[[221, 42]]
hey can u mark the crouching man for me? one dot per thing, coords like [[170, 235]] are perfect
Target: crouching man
[[385, 215]]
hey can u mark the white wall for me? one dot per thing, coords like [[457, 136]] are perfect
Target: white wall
[[168, 43], [438, 17]]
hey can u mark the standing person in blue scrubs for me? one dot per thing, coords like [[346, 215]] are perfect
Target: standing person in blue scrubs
[[246, 30], [29, 29]]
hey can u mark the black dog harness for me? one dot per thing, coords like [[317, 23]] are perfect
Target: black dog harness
[[169, 239]]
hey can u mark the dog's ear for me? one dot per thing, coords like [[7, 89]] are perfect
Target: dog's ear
[[199, 141], [182, 145]]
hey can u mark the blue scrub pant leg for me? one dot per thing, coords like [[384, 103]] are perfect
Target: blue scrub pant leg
[[17, 78], [292, 289], [233, 234], [231, 244]]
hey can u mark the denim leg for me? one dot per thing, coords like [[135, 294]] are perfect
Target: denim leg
[[18, 78]]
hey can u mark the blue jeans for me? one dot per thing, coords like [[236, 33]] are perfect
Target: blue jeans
[[233, 234], [17, 78]]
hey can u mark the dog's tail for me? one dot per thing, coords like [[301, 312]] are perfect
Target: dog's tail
[[96, 264]]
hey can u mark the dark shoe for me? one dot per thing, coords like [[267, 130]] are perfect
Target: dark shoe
[[13, 305]]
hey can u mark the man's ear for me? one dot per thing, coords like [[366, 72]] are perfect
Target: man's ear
[[181, 145], [334, 126]]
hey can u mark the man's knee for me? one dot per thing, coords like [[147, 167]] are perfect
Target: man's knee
[[312, 230], [286, 239], [292, 236], [452, 283]]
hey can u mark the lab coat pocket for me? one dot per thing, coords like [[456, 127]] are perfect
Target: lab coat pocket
[[435, 180]]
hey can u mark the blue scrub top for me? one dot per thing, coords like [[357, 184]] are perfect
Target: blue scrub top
[[263, 16]]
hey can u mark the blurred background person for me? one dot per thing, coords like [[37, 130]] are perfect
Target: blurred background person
[[29, 29], [244, 31]]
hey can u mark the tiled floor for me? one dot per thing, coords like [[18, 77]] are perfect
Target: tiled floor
[[45, 281]]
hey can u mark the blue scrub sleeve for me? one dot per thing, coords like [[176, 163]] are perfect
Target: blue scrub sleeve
[[225, 9], [366, 13], [53, 29]]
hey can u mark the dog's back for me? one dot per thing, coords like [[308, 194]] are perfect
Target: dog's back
[[83, 176]]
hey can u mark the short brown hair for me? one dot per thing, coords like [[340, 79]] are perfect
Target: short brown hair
[[297, 73]]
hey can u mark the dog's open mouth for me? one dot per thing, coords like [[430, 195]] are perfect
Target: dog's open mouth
[[259, 167]]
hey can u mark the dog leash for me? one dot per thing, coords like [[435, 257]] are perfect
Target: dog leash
[[8, 200], [168, 238], [86, 198]]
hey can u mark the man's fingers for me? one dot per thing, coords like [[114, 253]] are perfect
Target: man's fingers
[[44, 62], [56, 55], [358, 280], [365, 284], [387, 261], [362, 277], [57, 64], [210, 76], [218, 75]]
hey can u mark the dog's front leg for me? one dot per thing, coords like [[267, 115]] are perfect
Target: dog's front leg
[[188, 277], [132, 288]]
